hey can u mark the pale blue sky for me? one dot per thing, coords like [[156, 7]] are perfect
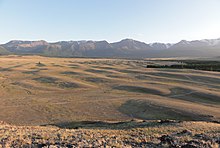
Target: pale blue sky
[[111, 20]]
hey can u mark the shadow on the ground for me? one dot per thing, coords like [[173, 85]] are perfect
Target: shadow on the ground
[[112, 125], [141, 109]]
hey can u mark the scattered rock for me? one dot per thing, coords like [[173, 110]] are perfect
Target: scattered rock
[[189, 146], [54, 137], [168, 121], [166, 139], [202, 136], [185, 132]]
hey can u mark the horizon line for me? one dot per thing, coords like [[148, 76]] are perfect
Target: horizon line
[[87, 40]]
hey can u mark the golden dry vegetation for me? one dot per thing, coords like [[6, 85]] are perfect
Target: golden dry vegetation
[[38, 90]]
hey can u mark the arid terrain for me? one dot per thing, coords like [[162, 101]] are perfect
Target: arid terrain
[[143, 134], [64, 92]]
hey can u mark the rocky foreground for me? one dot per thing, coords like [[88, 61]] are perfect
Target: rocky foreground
[[154, 134]]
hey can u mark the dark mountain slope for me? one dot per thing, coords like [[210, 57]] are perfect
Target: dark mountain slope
[[3, 51], [126, 48]]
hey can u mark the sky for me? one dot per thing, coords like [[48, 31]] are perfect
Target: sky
[[167, 21]]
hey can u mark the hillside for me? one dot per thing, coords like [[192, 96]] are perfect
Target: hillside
[[126, 48], [3, 51]]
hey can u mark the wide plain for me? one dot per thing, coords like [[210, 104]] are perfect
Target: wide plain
[[37, 90]]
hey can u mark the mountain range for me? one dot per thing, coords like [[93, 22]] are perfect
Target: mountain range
[[126, 48]]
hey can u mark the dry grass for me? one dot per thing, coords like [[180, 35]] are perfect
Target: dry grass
[[67, 89], [199, 134]]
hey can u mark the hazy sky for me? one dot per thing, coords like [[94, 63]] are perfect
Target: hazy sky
[[111, 20]]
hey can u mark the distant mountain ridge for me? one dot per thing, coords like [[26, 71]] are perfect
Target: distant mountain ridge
[[126, 48]]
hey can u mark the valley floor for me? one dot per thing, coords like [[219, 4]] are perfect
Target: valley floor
[[38, 90], [112, 102]]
